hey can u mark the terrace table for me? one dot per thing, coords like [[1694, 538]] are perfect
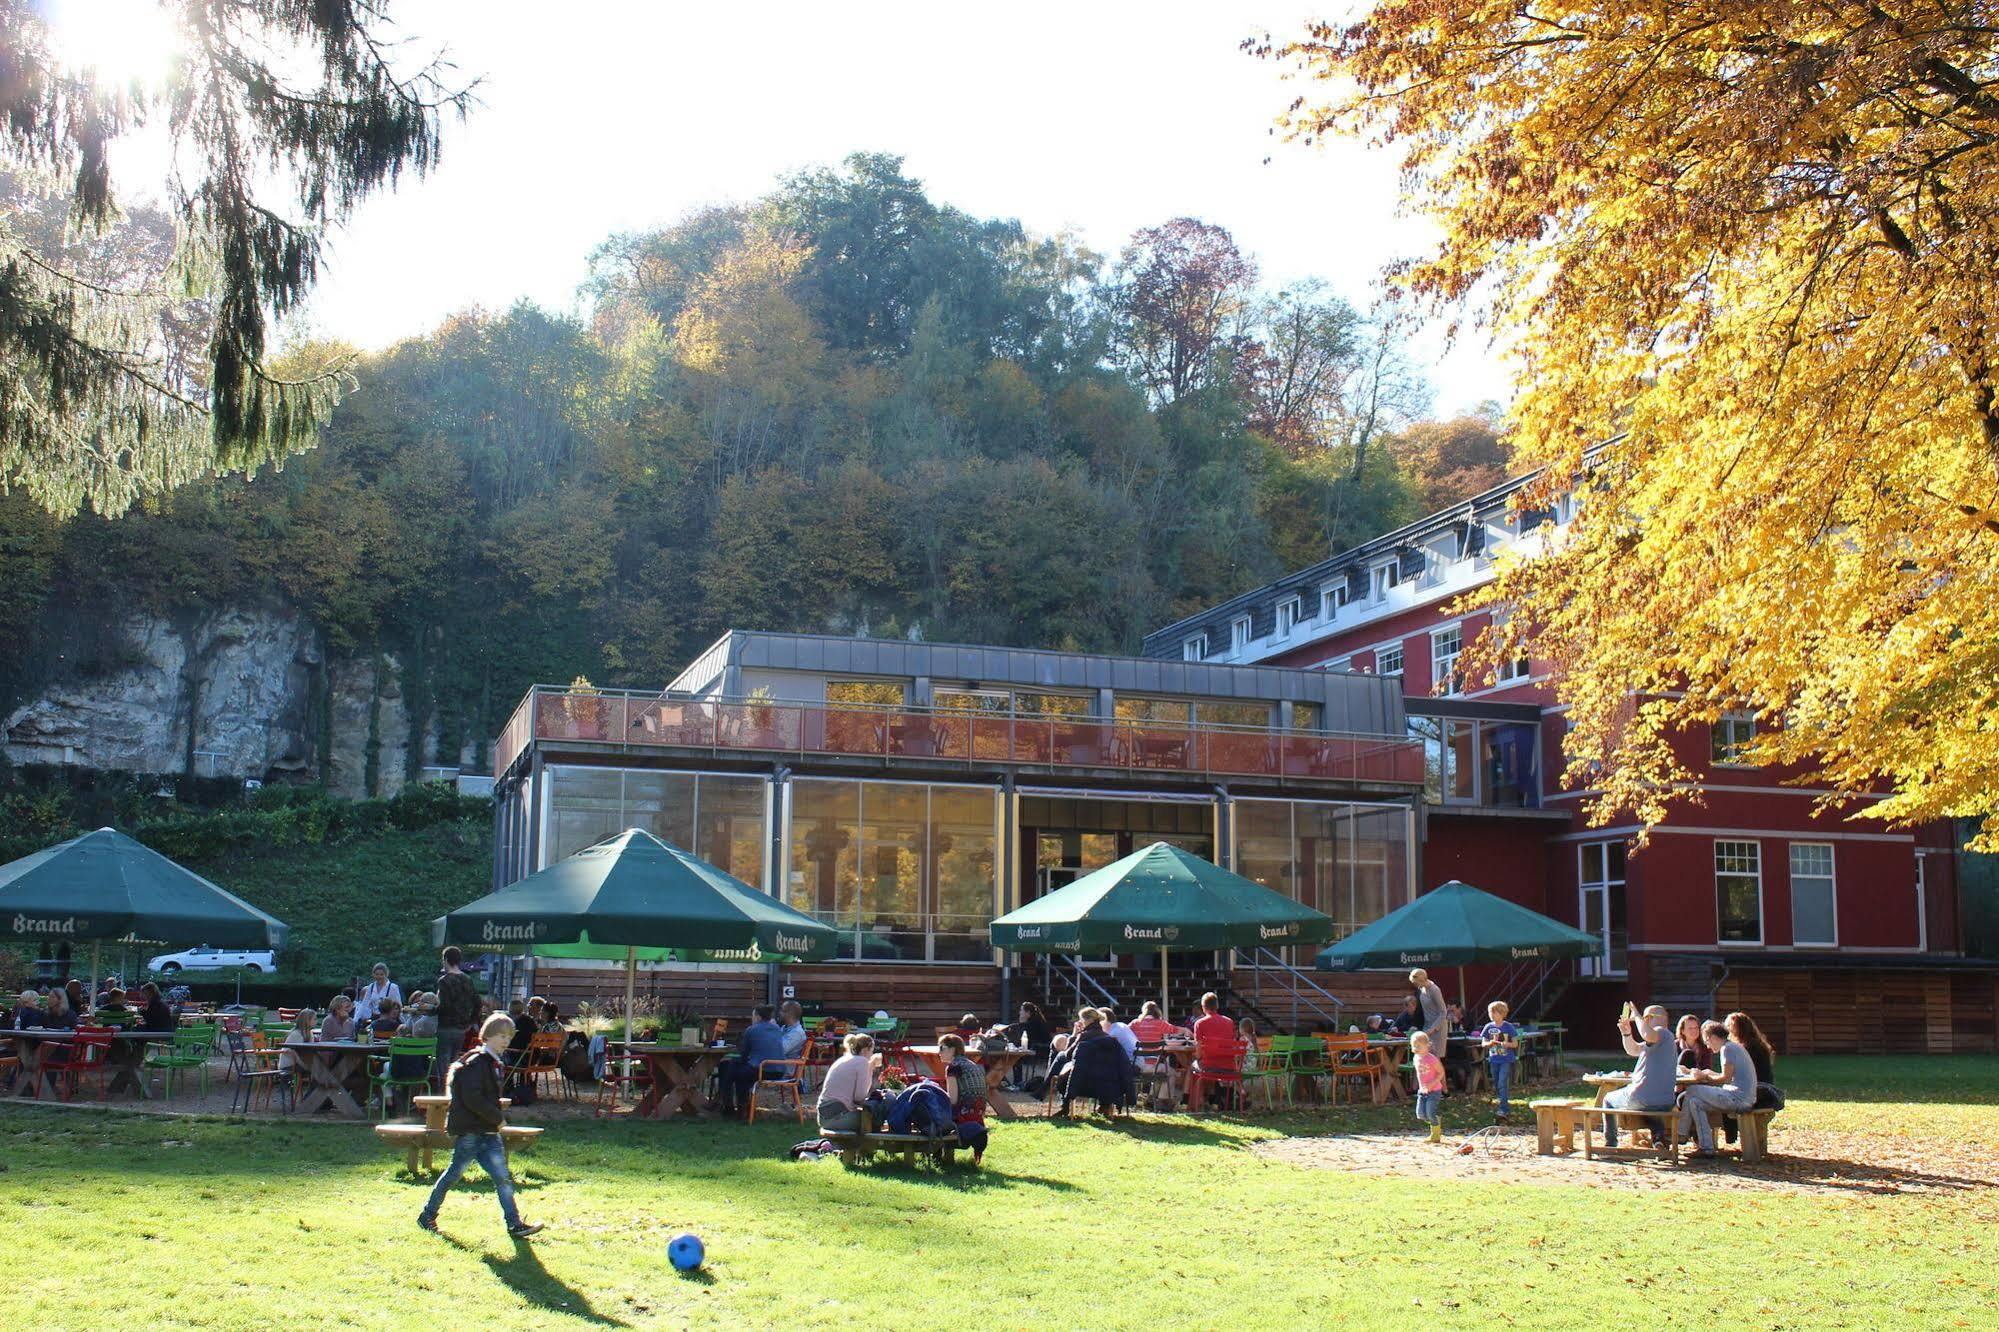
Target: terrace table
[[997, 1064], [677, 1074], [326, 1067], [1387, 1052], [125, 1060], [1606, 1083], [1175, 1057]]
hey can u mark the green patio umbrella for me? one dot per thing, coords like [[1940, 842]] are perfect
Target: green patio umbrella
[[632, 897], [1456, 924], [104, 887], [1161, 897]]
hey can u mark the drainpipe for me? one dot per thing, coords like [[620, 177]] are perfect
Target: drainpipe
[[1009, 850], [1713, 1003], [779, 871]]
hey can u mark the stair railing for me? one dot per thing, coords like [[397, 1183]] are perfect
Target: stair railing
[[1328, 1011]]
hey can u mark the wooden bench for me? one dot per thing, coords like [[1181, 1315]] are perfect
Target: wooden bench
[[419, 1140], [1631, 1119], [857, 1147], [1555, 1122], [1753, 1128]]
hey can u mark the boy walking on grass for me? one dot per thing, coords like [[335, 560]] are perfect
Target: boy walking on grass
[[1429, 1084], [474, 1123], [1502, 1049]]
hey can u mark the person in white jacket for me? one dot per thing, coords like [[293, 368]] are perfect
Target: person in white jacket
[[369, 1002]]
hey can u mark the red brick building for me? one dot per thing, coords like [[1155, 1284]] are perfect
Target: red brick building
[[1838, 932]]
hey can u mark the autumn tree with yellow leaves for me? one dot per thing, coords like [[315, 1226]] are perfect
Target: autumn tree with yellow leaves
[[1746, 254]]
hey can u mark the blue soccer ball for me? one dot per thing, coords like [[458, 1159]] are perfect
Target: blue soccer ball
[[686, 1252]]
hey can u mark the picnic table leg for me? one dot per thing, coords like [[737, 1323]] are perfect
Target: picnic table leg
[[1544, 1132]]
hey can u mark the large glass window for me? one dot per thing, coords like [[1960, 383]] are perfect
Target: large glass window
[[1349, 861], [1430, 731], [1460, 762], [1738, 892], [1163, 711], [1602, 879], [1308, 717], [907, 871], [1030, 704], [1814, 914], [865, 693], [1234, 714], [1388, 660], [719, 817]]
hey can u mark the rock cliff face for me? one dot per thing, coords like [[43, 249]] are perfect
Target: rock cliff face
[[231, 694]]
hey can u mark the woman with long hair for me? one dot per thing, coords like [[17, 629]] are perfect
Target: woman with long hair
[[1687, 1036], [1742, 1029]]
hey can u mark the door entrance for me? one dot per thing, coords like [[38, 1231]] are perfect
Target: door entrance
[[1065, 837]]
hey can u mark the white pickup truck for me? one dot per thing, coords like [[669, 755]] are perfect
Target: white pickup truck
[[212, 959]]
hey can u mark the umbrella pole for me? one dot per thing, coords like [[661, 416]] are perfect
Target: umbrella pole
[[92, 996], [1162, 983], [631, 990], [1464, 1001]]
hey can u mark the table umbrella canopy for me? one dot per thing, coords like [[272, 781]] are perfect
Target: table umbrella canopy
[[632, 893], [1456, 925], [1160, 898], [103, 887]]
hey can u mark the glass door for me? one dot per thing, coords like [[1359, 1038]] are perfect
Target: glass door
[[1064, 858]]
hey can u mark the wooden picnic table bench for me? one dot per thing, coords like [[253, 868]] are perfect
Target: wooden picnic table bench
[[419, 1140], [857, 1147], [1556, 1120]]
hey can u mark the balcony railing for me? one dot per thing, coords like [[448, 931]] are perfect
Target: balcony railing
[[647, 721]]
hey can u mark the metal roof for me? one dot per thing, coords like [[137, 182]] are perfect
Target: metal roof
[[1361, 704]]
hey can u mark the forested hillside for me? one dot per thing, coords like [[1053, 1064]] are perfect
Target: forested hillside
[[846, 406]]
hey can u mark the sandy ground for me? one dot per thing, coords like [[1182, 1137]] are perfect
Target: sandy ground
[[1799, 1161]]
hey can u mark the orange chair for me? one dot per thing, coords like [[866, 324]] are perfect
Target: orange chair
[[544, 1060], [784, 1076]]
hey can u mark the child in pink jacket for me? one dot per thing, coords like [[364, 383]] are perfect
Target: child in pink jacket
[[1429, 1084]]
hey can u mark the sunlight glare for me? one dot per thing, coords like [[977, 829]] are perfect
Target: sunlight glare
[[113, 41]]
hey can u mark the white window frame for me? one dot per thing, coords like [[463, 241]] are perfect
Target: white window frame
[[1756, 855], [1338, 664], [1332, 597], [1600, 964], [1729, 750], [1444, 665], [1380, 667], [1831, 878], [1239, 633], [1195, 648], [1288, 613], [1383, 579]]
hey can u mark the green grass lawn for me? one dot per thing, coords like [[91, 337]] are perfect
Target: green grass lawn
[[125, 1220]]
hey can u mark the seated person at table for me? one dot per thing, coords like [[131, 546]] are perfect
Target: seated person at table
[[965, 1084], [388, 1017], [420, 1018], [551, 1017], [1120, 1032], [158, 1014], [1410, 1018], [113, 1012], [76, 1000], [1151, 1028], [1742, 1029], [848, 1081], [1652, 1084], [1033, 1030], [1733, 1087], [1214, 1037], [968, 1026], [57, 1015], [1377, 1025], [1059, 1059], [1100, 1070], [738, 1076], [791, 1027], [339, 1023], [1692, 1051], [26, 1014], [300, 1034]]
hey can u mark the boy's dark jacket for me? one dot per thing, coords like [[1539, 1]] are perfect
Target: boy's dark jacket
[[474, 1083]]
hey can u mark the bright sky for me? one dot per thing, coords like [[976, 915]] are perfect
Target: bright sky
[[1095, 117]]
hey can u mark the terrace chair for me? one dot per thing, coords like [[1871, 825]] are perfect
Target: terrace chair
[[188, 1051], [623, 1076], [785, 1077], [543, 1061], [1348, 1062], [1268, 1069], [69, 1062], [384, 1073], [1214, 1067]]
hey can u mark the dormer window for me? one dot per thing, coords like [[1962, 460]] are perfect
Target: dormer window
[[1239, 632], [1331, 598], [1195, 648], [1383, 577], [1287, 614]]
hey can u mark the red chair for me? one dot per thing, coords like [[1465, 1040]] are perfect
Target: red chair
[[1216, 1066], [67, 1063]]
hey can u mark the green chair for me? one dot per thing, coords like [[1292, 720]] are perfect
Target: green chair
[[187, 1052], [382, 1069], [206, 1030], [1271, 1069]]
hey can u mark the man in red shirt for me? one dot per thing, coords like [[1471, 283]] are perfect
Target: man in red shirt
[[1214, 1042]]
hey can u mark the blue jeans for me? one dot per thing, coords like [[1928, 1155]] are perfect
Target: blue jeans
[[1502, 1082], [1427, 1104], [492, 1154], [1621, 1099]]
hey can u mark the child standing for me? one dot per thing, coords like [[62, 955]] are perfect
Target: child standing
[[1429, 1084], [1502, 1050]]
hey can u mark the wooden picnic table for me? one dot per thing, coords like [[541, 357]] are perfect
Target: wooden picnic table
[[677, 1074], [325, 1068], [997, 1064], [1606, 1083], [125, 1061]]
